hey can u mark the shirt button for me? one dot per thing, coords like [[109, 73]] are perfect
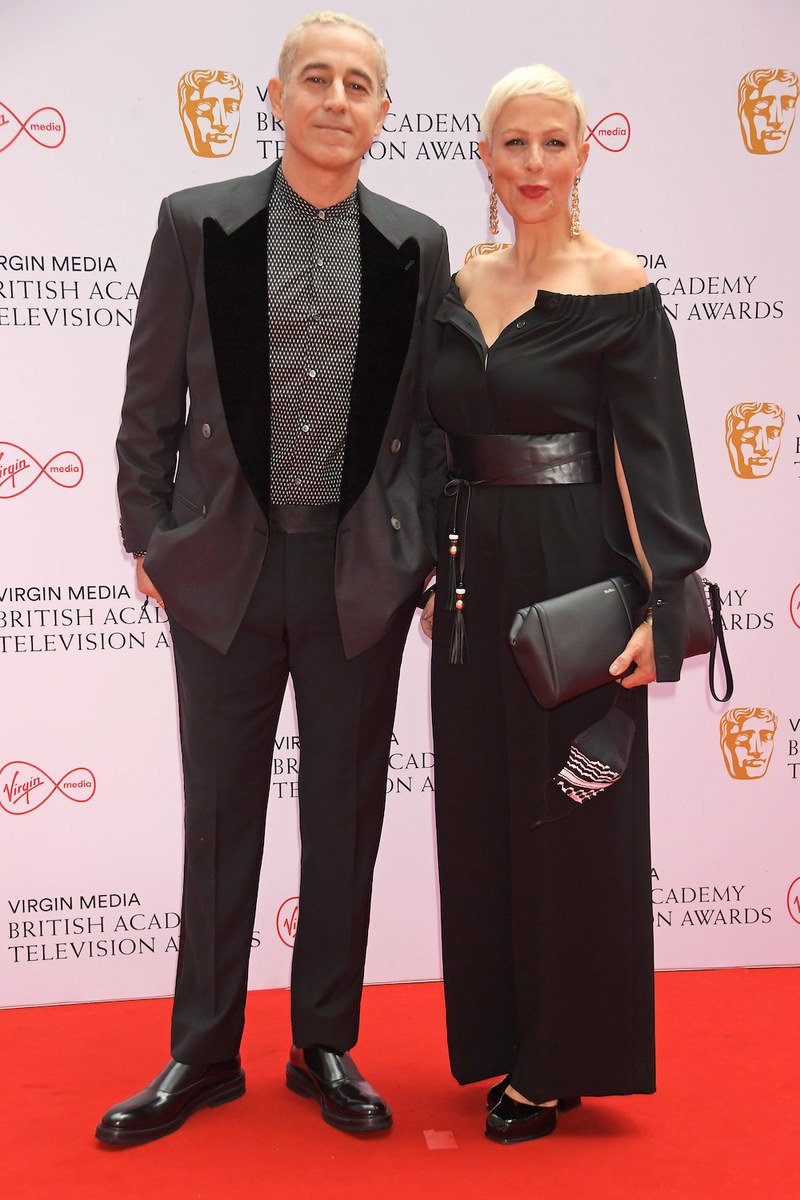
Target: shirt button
[[520, 324], [551, 303], [320, 262], [206, 430], [305, 426], [312, 374], [395, 522], [395, 446], [322, 214]]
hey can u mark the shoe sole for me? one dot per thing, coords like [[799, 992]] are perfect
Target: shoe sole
[[223, 1094], [300, 1084]]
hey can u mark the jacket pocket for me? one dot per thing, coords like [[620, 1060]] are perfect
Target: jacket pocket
[[199, 510]]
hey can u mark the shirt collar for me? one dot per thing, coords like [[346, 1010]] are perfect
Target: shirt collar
[[288, 200]]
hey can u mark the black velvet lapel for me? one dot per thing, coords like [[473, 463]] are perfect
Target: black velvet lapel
[[389, 286], [236, 296]]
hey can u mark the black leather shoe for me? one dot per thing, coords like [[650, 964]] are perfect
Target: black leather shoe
[[170, 1100], [346, 1099], [509, 1121], [496, 1092]]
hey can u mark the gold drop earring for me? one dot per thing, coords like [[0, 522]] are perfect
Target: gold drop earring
[[494, 219], [575, 210]]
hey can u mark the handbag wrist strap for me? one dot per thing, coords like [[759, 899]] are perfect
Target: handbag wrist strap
[[718, 642]]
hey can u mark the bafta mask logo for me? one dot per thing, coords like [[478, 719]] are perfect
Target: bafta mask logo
[[209, 103], [767, 104], [747, 738], [753, 434]]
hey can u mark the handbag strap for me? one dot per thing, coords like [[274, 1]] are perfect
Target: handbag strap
[[718, 641]]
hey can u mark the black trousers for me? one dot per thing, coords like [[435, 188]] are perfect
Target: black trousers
[[229, 708]]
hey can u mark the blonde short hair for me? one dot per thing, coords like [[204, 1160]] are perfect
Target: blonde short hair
[[325, 17], [531, 81]]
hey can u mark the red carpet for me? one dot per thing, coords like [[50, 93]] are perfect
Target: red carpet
[[725, 1121]]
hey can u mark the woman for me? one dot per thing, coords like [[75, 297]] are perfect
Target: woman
[[557, 349]]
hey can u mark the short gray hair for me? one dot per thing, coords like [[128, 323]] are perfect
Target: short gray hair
[[536, 80], [325, 17]]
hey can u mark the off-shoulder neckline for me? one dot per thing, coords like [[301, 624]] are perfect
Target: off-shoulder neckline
[[642, 290], [550, 304]]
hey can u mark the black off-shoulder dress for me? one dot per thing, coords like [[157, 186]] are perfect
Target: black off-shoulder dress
[[547, 928]]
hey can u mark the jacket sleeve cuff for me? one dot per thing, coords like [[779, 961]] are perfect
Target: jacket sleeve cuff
[[670, 631]]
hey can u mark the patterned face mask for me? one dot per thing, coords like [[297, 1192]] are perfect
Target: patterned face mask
[[597, 759]]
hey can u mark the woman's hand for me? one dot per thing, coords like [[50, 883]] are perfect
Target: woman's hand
[[145, 584], [426, 620], [639, 650]]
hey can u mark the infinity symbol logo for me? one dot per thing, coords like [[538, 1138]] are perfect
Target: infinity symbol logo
[[24, 787], [19, 470], [612, 133], [46, 127]]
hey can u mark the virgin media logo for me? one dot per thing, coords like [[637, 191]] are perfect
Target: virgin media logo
[[794, 606], [793, 900], [19, 470], [46, 127], [613, 132], [25, 787], [286, 920]]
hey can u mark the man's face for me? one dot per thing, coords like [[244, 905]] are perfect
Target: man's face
[[330, 108], [748, 747], [754, 444], [769, 114], [212, 118]]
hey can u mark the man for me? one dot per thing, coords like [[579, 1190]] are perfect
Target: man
[[296, 306], [209, 103]]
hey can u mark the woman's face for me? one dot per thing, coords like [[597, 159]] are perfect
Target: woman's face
[[534, 157]]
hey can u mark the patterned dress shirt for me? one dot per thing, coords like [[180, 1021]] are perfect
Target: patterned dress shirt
[[314, 282]]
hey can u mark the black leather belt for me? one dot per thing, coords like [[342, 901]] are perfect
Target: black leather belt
[[504, 460]]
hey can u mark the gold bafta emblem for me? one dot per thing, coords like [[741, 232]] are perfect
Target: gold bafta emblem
[[485, 248], [767, 103], [209, 103], [747, 738], [753, 435]]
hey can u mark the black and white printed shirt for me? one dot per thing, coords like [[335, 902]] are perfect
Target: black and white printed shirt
[[314, 282]]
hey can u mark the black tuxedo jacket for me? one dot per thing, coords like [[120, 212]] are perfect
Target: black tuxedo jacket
[[194, 480]]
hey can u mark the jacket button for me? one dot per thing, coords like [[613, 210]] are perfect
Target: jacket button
[[206, 430], [395, 522], [395, 446]]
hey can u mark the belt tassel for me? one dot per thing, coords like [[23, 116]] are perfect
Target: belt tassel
[[456, 592]]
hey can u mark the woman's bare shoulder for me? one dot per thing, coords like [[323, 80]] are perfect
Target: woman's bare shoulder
[[615, 270], [477, 271]]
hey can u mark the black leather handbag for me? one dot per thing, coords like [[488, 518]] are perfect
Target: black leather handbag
[[564, 646]]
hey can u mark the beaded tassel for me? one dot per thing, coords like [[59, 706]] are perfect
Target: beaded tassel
[[458, 637], [452, 573]]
